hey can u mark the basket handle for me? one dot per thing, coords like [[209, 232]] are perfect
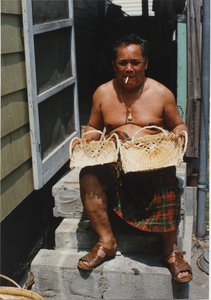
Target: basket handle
[[77, 138], [149, 127], [5, 277], [113, 134], [93, 131], [186, 141], [117, 139], [70, 147]]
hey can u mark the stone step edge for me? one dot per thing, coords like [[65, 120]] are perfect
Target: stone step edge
[[70, 235], [57, 276]]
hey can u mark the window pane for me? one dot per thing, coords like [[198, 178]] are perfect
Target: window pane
[[56, 116], [48, 11], [132, 7], [53, 58]]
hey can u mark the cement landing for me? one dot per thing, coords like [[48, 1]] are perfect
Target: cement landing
[[199, 285]]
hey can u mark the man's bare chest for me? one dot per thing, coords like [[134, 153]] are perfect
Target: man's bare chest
[[143, 113]]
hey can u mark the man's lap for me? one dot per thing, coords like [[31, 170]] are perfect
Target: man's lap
[[149, 201]]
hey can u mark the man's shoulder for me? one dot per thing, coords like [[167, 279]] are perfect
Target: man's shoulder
[[159, 88], [105, 86], [103, 91]]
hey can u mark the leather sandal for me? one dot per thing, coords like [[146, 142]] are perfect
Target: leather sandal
[[92, 260], [180, 265]]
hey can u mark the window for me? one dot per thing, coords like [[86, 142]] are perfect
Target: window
[[134, 7], [51, 84]]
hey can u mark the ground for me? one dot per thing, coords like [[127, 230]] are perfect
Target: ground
[[199, 286]]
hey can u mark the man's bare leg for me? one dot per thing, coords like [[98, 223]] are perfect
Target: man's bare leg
[[95, 203], [169, 246]]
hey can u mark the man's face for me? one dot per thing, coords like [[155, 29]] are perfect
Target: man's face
[[130, 63]]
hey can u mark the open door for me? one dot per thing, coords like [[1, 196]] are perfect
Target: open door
[[49, 41]]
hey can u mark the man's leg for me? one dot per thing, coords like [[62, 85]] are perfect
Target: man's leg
[[95, 203], [169, 246]]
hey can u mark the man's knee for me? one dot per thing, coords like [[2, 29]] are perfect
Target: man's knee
[[91, 177]]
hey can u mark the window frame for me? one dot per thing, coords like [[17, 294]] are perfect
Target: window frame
[[44, 169]]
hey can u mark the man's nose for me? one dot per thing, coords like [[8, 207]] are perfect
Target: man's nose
[[129, 67]]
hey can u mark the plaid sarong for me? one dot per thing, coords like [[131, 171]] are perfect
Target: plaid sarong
[[149, 201]]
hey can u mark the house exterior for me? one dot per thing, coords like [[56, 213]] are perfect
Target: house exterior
[[38, 120], [16, 167]]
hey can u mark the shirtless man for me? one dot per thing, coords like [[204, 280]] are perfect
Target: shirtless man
[[125, 104]]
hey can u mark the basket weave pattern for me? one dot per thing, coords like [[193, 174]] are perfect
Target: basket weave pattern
[[152, 152], [94, 152], [146, 153], [7, 292]]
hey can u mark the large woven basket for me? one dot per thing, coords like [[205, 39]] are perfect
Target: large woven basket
[[95, 152], [7, 292], [152, 152]]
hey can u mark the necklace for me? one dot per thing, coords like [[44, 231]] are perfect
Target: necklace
[[130, 118]]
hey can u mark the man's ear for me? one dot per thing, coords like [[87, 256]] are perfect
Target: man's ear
[[146, 63]]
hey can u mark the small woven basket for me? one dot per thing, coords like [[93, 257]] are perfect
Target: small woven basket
[[152, 152], [7, 292], [95, 152]]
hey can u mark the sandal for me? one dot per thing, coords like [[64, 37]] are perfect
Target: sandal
[[180, 265], [93, 260]]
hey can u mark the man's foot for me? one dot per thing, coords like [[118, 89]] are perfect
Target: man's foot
[[95, 257], [179, 268]]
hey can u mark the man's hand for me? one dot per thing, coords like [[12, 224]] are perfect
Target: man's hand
[[87, 139], [78, 141], [178, 132]]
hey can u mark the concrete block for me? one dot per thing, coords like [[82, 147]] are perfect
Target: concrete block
[[191, 204], [66, 193], [181, 175], [187, 240], [75, 234], [124, 277]]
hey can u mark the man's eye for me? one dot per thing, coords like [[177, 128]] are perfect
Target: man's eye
[[122, 63], [135, 63]]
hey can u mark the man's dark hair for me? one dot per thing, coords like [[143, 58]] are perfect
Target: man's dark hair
[[131, 39]]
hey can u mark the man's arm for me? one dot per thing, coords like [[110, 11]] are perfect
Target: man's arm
[[171, 114], [172, 117], [96, 120]]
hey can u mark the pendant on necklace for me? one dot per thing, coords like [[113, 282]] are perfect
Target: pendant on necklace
[[129, 118]]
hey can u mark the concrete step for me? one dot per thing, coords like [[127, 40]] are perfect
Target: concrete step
[[79, 234], [136, 273], [124, 277], [66, 195]]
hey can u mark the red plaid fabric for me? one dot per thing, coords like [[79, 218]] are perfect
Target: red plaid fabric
[[149, 201]]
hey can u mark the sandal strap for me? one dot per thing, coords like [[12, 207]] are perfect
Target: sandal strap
[[93, 259], [173, 254], [107, 251], [180, 265]]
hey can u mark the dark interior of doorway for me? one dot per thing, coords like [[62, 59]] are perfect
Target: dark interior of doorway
[[158, 30]]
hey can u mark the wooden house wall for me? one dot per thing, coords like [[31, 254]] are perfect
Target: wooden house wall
[[16, 163]]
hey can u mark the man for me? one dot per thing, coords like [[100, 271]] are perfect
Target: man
[[149, 201]]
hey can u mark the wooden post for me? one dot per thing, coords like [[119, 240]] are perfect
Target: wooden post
[[194, 75]]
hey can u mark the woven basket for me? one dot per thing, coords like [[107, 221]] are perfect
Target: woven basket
[[152, 152], [95, 152], [16, 292]]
